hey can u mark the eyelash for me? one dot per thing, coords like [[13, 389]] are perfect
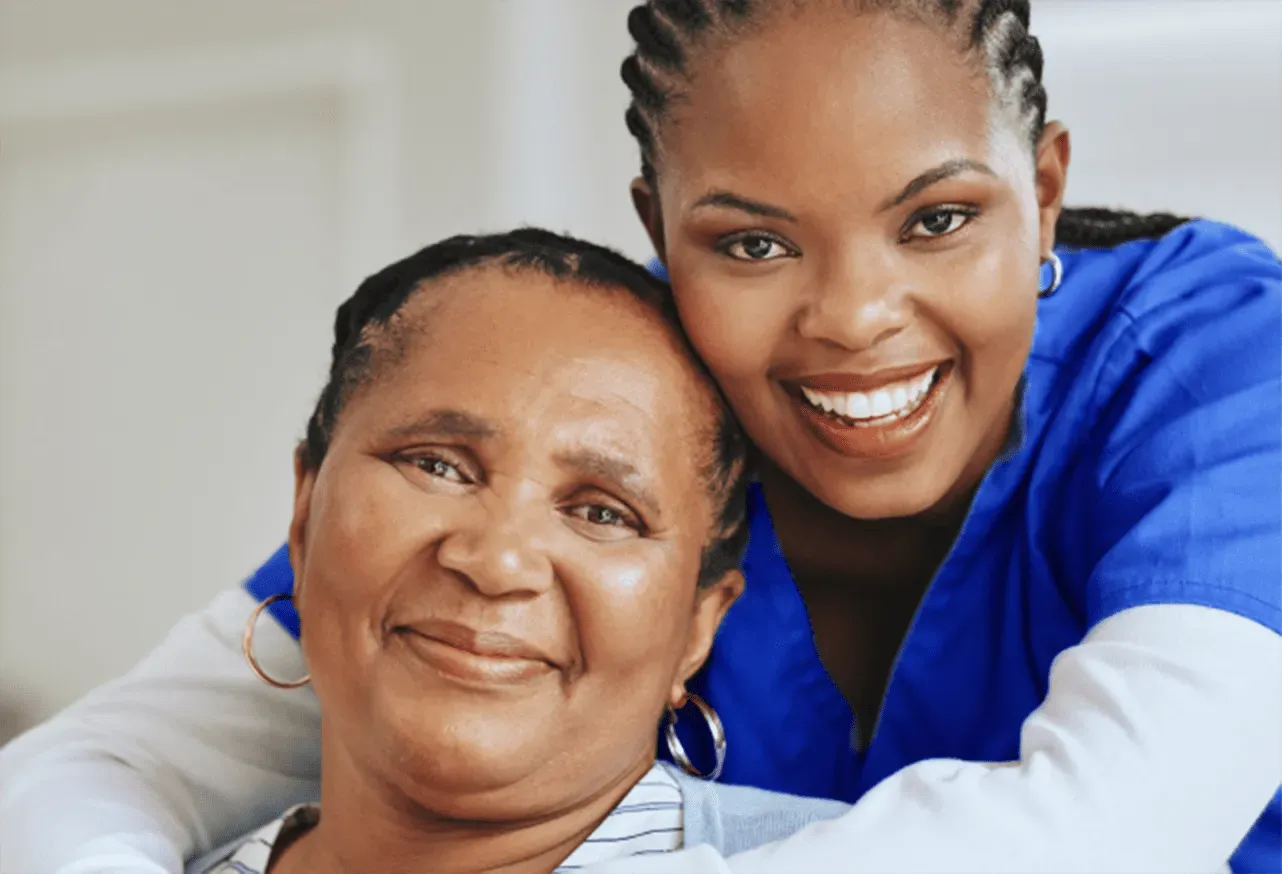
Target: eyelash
[[427, 462], [727, 244], [966, 213], [625, 518]]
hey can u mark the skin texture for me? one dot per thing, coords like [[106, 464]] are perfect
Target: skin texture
[[838, 251], [522, 467]]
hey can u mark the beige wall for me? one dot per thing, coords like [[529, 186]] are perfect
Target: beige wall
[[188, 188]]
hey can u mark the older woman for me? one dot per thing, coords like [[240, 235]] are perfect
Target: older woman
[[517, 525]]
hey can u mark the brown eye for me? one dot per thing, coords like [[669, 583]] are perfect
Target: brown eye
[[598, 514], [939, 223], [603, 522], [438, 468], [755, 247]]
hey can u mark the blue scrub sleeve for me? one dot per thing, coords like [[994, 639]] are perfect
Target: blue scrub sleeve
[[276, 577], [1185, 505]]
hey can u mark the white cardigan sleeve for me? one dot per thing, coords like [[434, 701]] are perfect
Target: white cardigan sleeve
[[184, 752], [1156, 749]]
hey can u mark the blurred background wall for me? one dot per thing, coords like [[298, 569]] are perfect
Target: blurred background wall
[[188, 189]]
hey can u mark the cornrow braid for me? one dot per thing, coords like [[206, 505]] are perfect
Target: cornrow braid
[[365, 334], [668, 31]]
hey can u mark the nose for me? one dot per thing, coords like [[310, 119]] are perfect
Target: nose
[[497, 548], [861, 300]]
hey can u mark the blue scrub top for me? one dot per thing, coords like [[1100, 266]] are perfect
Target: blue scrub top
[[1146, 469]]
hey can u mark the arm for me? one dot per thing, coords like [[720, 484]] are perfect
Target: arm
[[1157, 746], [1155, 750], [185, 751]]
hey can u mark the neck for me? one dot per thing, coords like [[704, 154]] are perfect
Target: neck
[[874, 560], [367, 824], [867, 559]]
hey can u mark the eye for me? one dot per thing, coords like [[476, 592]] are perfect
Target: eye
[[599, 514], [436, 466], [755, 247], [440, 468], [605, 522], [939, 222]]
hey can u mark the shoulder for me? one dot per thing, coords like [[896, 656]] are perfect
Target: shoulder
[[1203, 277], [252, 853], [1160, 325], [737, 818], [1156, 408]]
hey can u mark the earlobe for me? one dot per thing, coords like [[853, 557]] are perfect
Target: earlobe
[[1053, 155], [710, 608], [646, 204]]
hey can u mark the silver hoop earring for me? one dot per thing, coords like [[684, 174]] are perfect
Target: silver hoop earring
[[718, 739], [1057, 275], [247, 647]]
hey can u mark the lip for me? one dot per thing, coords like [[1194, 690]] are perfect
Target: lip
[[862, 382], [872, 442], [488, 657]]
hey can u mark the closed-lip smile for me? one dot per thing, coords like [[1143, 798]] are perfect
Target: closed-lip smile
[[474, 655]]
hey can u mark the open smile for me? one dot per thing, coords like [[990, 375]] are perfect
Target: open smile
[[877, 421]]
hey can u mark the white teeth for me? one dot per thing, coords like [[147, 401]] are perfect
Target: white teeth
[[859, 407], [898, 400], [881, 403], [817, 400]]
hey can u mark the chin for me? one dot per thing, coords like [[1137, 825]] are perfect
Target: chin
[[859, 502], [450, 749], [893, 494], [454, 773]]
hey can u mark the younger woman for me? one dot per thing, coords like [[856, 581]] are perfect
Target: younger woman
[[1014, 582]]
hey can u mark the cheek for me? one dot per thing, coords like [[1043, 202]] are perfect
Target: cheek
[[632, 619], [995, 314], [732, 328], [367, 524]]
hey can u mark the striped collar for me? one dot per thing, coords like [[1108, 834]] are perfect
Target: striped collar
[[648, 820]]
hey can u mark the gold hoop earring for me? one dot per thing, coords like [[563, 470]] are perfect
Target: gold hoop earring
[[1057, 275], [247, 647], [718, 738]]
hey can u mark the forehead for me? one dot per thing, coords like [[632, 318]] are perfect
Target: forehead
[[534, 353], [827, 98]]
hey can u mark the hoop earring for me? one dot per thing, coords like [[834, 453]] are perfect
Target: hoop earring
[[247, 647], [718, 739], [1057, 275]]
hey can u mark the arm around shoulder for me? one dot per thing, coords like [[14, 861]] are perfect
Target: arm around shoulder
[[185, 751]]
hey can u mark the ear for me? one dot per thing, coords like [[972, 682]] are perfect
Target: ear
[[646, 203], [710, 608], [304, 483], [1053, 154]]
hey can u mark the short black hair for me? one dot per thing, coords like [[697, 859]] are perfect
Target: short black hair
[[364, 318]]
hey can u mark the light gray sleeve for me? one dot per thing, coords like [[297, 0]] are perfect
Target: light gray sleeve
[[1156, 749], [732, 819], [181, 754]]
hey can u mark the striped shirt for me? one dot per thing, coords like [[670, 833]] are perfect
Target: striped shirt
[[648, 820]]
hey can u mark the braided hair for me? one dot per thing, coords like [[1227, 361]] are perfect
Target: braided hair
[[368, 337], [667, 31]]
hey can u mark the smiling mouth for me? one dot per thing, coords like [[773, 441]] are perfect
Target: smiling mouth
[[875, 408], [464, 660]]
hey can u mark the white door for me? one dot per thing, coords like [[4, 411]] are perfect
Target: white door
[[168, 277]]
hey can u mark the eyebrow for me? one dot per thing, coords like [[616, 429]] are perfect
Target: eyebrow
[[946, 170], [619, 472], [446, 423], [729, 200]]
